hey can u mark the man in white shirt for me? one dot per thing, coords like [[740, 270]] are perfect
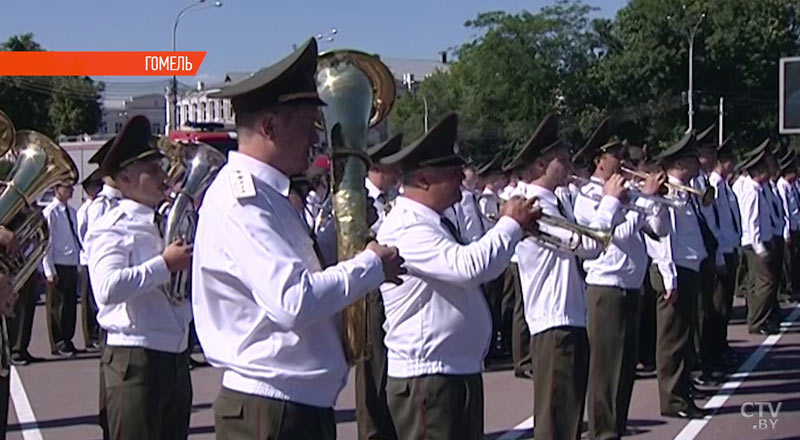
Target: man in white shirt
[[501, 301], [791, 230], [372, 411], [91, 185], [265, 311], [145, 361], [466, 214], [438, 326], [675, 281], [719, 357], [553, 290], [60, 265], [757, 238], [614, 281]]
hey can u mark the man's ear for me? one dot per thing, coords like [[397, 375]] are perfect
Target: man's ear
[[267, 125]]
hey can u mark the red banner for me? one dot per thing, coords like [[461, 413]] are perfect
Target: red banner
[[100, 63]]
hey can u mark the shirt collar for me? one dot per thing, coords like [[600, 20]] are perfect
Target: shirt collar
[[262, 171], [372, 190], [110, 192], [673, 179], [543, 194], [137, 211], [419, 208]]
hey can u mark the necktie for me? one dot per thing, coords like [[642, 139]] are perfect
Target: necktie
[[72, 227], [309, 231], [159, 222], [724, 186], [477, 211], [714, 205], [563, 212], [382, 198], [452, 229]]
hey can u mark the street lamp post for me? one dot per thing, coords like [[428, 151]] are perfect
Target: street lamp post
[[690, 96], [192, 6]]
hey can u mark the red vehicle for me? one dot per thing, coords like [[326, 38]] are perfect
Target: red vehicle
[[209, 133]]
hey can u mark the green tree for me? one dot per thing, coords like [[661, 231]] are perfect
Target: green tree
[[51, 105]]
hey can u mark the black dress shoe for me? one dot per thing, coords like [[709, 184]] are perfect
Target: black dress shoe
[[691, 413], [18, 360], [63, 352], [527, 374], [767, 330], [31, 358]]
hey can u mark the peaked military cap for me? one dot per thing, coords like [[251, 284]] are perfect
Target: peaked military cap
[[601, 141], [492, 166], [385, 148], [94, 178], [763, 146], [135, 142], [788, 160], [725, 149], [290, 80], [706, 137], [544, 139], [100, 154], [636, 153], [436, 148], [755, 160], [686, 147]]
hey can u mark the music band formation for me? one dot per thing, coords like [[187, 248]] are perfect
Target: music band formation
[[410, 264]]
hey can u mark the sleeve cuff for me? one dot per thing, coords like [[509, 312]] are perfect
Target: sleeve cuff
[[158, 267], [373, 273], [670, 282], [510, 227]]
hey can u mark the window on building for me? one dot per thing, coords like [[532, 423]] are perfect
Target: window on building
[[213, 105], [117, 127], [185, 114], [205, 111], [195, 113]]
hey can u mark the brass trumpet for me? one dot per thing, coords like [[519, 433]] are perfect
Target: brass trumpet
[[707, 197], [633, 193], [602, 236]]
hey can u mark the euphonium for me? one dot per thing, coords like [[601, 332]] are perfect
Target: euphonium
[[39, 164], [359, 91], [193, 166]]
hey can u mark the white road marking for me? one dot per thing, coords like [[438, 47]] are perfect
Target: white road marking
[[518, 431], [693, 428], [22, 406]]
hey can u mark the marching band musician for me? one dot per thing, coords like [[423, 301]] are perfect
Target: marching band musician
[[675, 281], [501, 300], [91, 185], [465, 215], [779, 224], [757, 233], [553, 290], [264, 309], [614, 281], [373, 418], [791, 229], [60, 263], [437, 323], [730, 227], [145, 361], [706, 314]]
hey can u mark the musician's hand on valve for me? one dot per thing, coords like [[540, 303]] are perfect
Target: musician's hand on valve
[[653, 183], [178, 256], [8, 241], [615, 187], [524, 212], [393, 263]]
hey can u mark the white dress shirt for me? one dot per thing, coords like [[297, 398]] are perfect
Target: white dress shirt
[[264, 310], [730, 223], [624, 263], [83, 227], [63, 248], [553, 290], [757, 229], [791, 207], [508, 191], [682, 247], [437, 321], [107, 199], [129, 280], [489, 205], [465, 215], [379, 199]]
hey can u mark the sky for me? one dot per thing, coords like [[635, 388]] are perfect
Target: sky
[[245, 35]]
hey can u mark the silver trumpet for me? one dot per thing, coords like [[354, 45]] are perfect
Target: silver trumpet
[[634, 193]]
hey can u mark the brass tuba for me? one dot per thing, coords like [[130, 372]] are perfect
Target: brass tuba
[[39, 164], [193, 167], [359, 91]]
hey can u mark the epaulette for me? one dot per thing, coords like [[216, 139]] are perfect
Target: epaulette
[[241, 183]]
